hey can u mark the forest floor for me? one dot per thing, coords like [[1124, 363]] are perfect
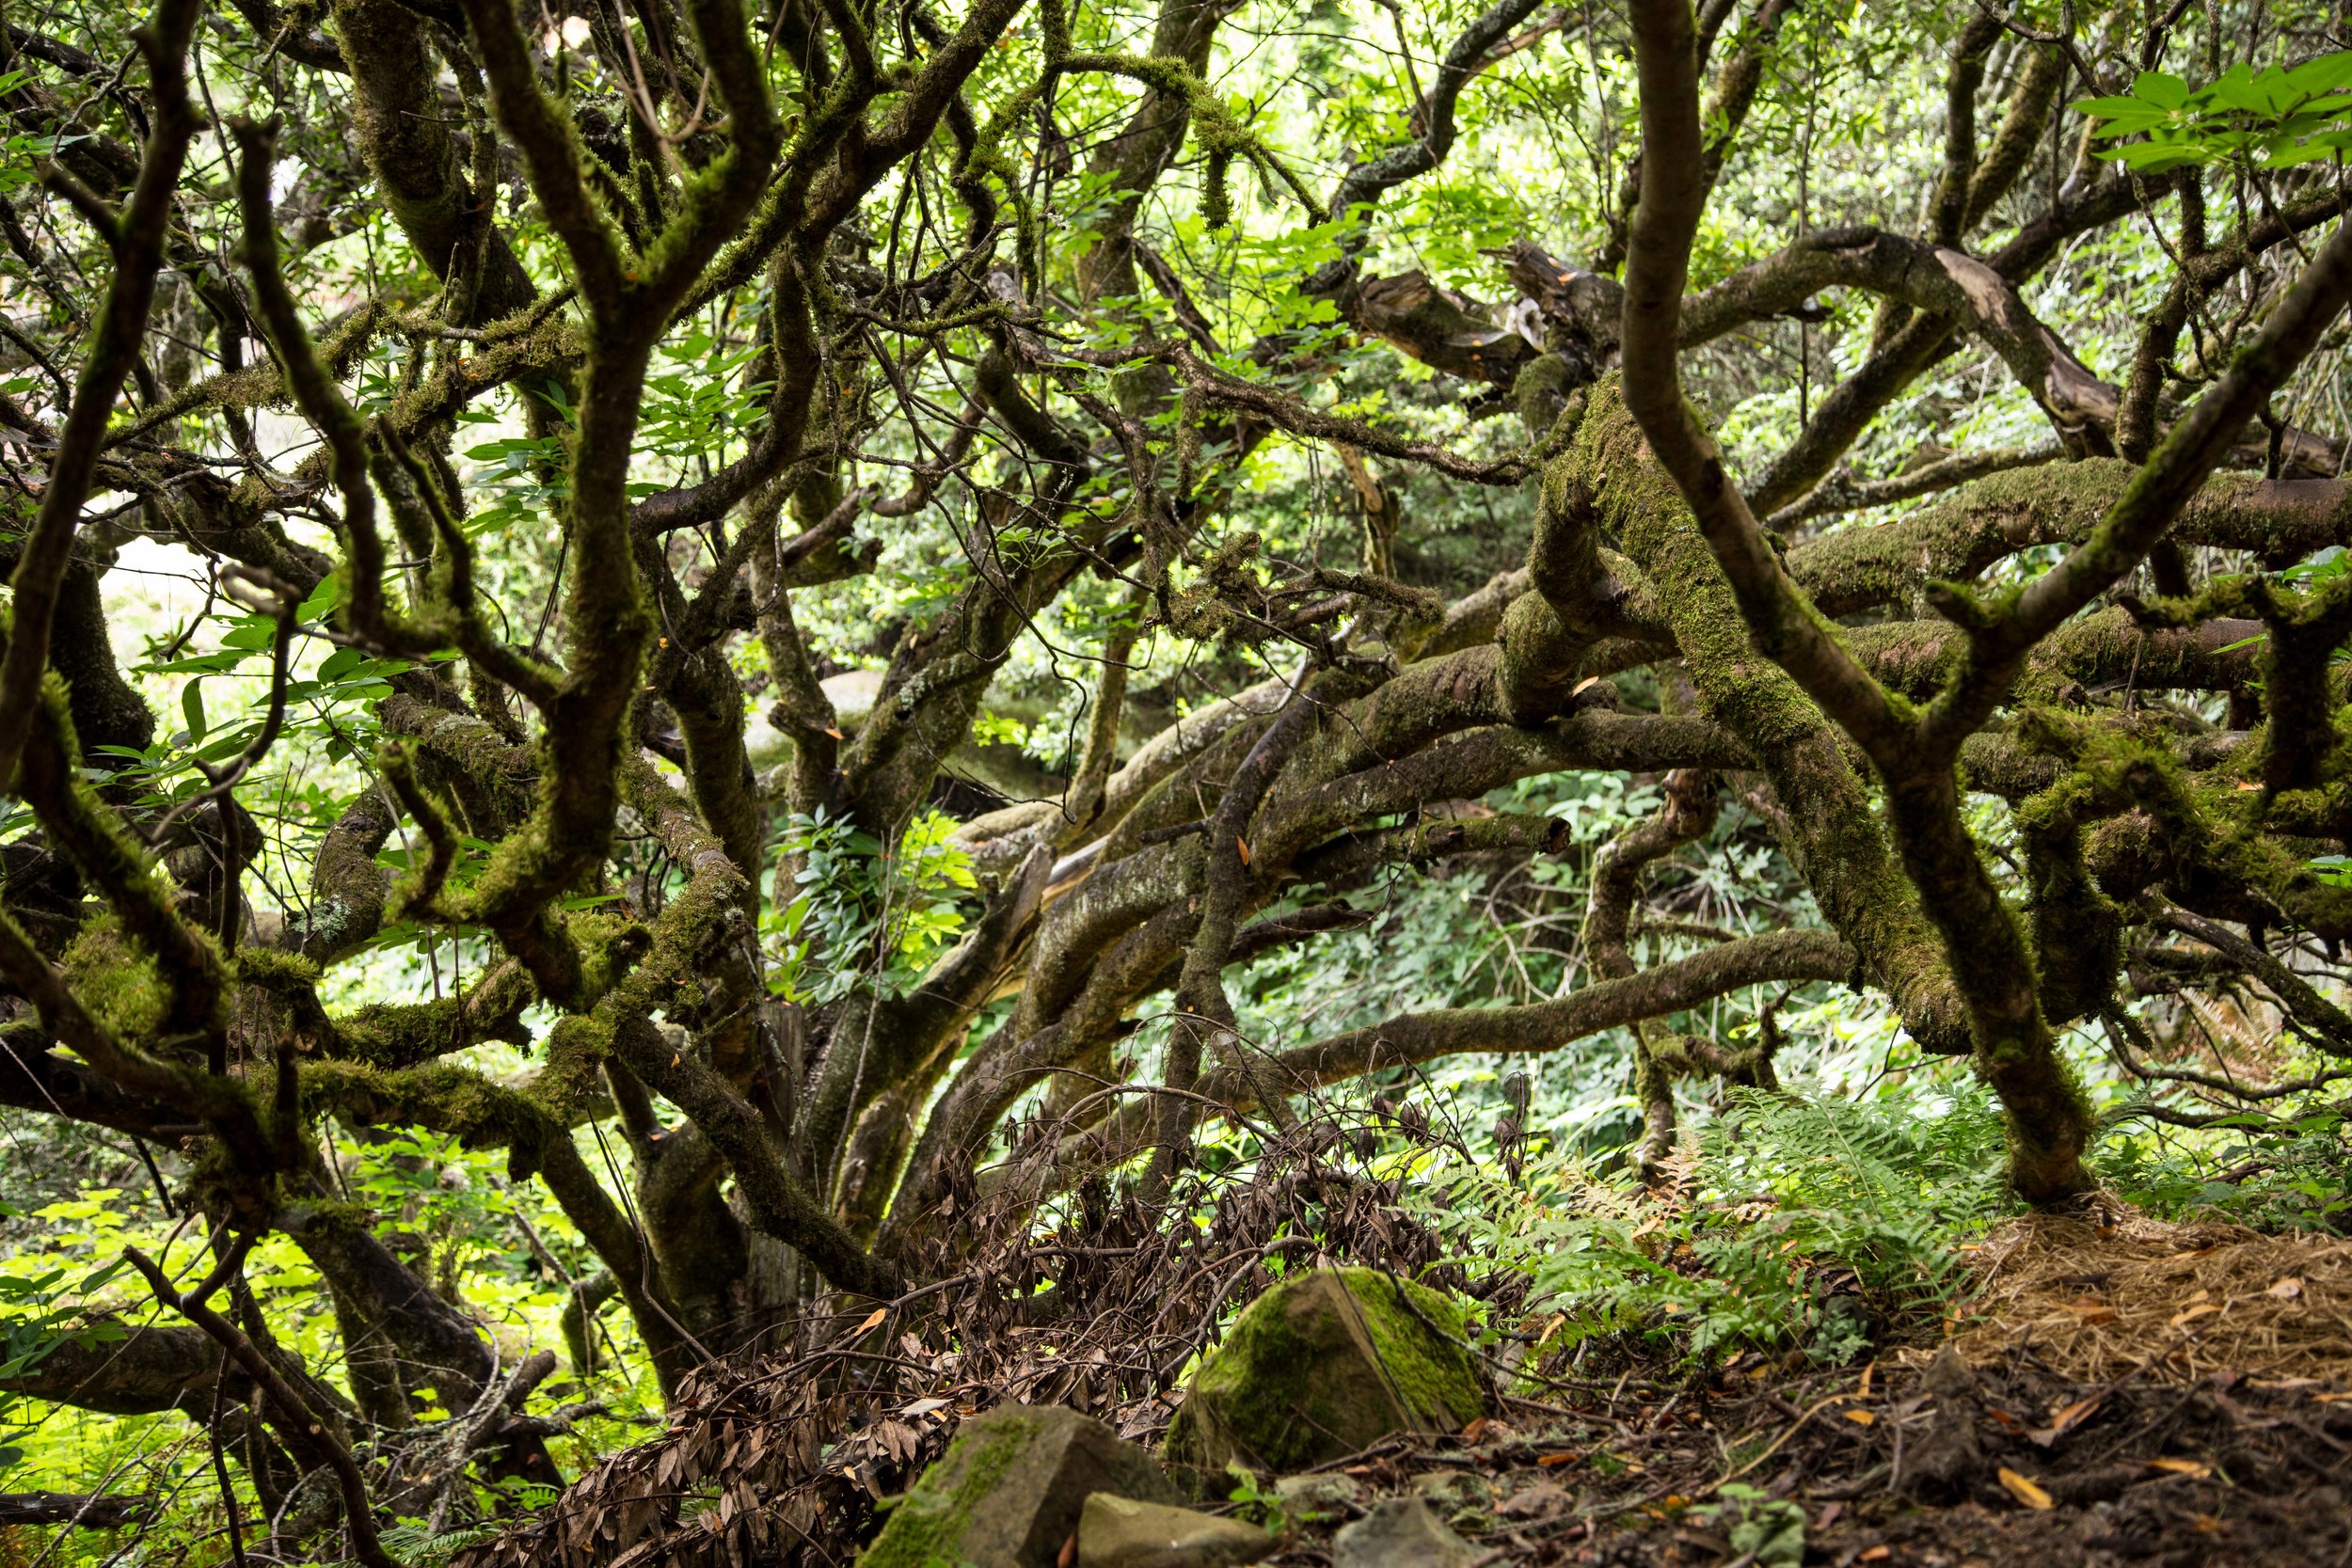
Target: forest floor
[[2201, 1476], [2120, 1393], [2104, 1391]]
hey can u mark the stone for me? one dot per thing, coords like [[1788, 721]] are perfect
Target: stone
[[1451, 1492], [1948, 1454], [1321, 1492], [852, 694], [1401, 1532], [1121, 1533], [1009, 1491], [1323, 1365]]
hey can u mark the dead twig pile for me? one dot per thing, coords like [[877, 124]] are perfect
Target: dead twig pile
[[781, 1459]]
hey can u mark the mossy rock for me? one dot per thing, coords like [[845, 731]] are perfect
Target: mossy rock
[[1120, 1532], [1326, 1364], [1009, 1491]]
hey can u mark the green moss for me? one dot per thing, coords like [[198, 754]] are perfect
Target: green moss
[[97, 839], [397, 1035], [478, 1112], [332, 1219], [1959, 537], [575, 1048], [610, 946], [117, 980], [1431, 1377], [1541, 392], [2076, 928], [926, 1528], [275, 971], [2157, 819], [1293, 1384]]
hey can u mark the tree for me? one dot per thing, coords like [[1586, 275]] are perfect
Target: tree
[[755, 304]]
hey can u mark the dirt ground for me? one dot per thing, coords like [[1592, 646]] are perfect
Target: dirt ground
[[2220, 1472], [2114, 1391]]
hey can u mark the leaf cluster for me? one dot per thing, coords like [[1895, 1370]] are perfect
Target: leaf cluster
[[2276, 120]]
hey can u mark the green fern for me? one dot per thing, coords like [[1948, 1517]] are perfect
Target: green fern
[[418, 1547], [1820, 1225]]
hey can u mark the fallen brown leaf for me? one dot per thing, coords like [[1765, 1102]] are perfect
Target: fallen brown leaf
[[1539, 1501], [2024, 1490], [2066, 1420]]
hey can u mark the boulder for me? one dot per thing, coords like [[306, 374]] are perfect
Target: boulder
[[1120, 1532], [1401, 1532], [1325, 1363], [1009, 1491]]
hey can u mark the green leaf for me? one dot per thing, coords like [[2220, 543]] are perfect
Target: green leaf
[[2323, 75], [207, 664], [2161, 88], [192, 705], [2236, 90], [322, 599], [2287, 157], [2151, 158], [2120, 109], [228, 745]]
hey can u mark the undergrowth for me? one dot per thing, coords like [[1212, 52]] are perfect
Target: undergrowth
[[2290, 1171], [1815, 1227]]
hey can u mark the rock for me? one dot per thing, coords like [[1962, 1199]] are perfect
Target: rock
[[1120, 1532], [1451, 1492], [1325, 1363], [1322, 1492], [1401, 1532], [1535, 1504], [1009, 1491], [1948, 1455], [852, 694]]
